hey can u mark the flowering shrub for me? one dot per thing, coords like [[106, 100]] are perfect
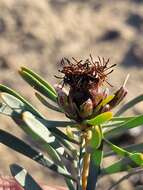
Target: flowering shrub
[[84, 98]]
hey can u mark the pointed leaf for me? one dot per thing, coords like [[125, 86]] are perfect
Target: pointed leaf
[[20, 146], [42, 134], [117, 150], [100, 119], [38, 85], [47, 104], [5, 109], [130, 104], [124, 164], [135, 122], [116, 121], [40, 79], [94, 168], [29, 107], [23, 178], [133, 147]]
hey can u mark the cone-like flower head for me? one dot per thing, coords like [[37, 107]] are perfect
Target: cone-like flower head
[[87, 95]]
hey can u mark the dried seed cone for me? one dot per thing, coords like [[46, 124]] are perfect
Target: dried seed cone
[[86, 94]]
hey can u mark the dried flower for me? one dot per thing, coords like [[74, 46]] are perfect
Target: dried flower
[[87, 96]]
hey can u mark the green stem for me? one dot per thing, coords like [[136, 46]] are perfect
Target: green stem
[[79, 184]]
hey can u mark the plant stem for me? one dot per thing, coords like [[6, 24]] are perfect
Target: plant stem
[[79, 184]]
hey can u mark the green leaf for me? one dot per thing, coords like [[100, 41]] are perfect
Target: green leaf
[[135, 122], [17, 107], [47, 104], [5, 109], [94, 168], [40, 79], [129, 105], [137, 158], [11, 101], [23, 178], [104, 102], [133, 147], [116, 121], [41, 134], [21, 147], [100, 119], [51, 123], [118, 150], [124, 164], [49, 142], [96, 139], [36, 84], [28, 106]]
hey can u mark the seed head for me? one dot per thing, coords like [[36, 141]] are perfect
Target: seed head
[[87, 95]]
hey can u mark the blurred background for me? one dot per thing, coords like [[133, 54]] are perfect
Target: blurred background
[[37, 34]]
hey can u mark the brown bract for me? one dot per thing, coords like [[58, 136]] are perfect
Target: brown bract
[[85, 78]]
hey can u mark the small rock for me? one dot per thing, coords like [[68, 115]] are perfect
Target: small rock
[[135, 20], [3, 63], [2, 25], [31, 42], [140, 187], [110, 35], [134, 55], [138, 1]]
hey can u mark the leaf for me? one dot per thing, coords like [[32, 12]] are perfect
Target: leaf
[[11, 101], [137, 158], [104, 102], [96, 138], [43, 135], [129, 105], [20, 146], [100, 119], [124, 164], [52, 123], [133, 147], [17, 107], [47, 104], [116, 121], [117, 150], [40, 79], [135, 122], [5, 109], [23, 178], [36, 84], [28, 106], [94, 168]]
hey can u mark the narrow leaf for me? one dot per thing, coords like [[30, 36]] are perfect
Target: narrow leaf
[[29, 107], [23, 178], [100, 119], [47, 104], [124, 164], [43, 135], [117, 150], [40, 79], [5, 109], [133, 147], [38, 85], [135, 122], [94, 168], [129, 105], [21, 147]]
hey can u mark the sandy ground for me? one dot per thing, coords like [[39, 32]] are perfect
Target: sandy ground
[[37, 34]]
